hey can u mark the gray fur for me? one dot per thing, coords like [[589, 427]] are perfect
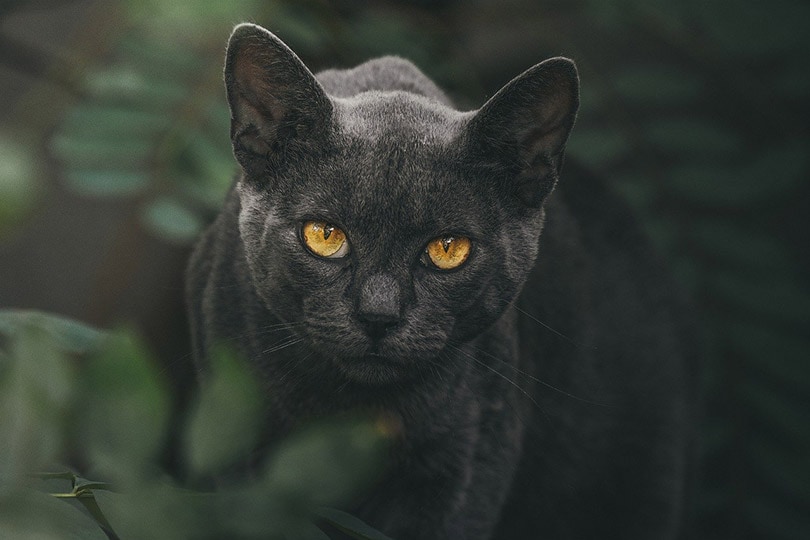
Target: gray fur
[[544, 388]]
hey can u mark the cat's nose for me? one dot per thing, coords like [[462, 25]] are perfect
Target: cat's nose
[[378, 307]]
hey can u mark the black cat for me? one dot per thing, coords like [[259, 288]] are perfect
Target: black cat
[[382, 251]]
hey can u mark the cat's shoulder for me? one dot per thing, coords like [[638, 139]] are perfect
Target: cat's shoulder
[[384, 74]]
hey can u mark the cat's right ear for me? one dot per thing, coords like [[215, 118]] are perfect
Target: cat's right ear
[[276, 103]]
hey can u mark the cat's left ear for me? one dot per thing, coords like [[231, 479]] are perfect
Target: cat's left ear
[[524, 127]]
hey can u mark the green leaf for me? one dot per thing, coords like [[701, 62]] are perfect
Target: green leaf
[[81, 152], [350, 525], [19, 181], [156, 511], [67, 335], [214, 162], [169, 219], [83, 484], [88, 500], [202, 193], [328, 464], [127, 84], [306, 531], [299, 27], [162, 60], [112, 183], [225, 421], [30, 515], [36, 391], [112, 121], [124, 410], [189, 20], [254, 512]]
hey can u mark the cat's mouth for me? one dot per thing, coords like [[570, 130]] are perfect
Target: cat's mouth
[[373, 369]]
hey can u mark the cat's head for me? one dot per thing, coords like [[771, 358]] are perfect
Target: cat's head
[[392, 227]]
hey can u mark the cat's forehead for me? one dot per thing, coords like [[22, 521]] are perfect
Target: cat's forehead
[[403, 116]]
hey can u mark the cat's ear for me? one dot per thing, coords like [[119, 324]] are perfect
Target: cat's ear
[[276, 102], [524, 127]]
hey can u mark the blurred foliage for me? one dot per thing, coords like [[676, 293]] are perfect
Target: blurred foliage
[[693, 111], [69, 393], [152, 121], [19, 181]]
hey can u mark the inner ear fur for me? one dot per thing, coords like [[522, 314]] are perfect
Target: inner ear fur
[[525, 126], [275, 100]]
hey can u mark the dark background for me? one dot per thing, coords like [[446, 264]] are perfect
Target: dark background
[[114, 153]]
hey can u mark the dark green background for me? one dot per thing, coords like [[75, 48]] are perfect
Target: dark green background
[[114, 153]]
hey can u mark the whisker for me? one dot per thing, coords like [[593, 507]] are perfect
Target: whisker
[[552, 330], [540, 381], [549, 328], [290, 342], [261, 331], [502, 376], [292, 364], [282, 325], [274, 331]]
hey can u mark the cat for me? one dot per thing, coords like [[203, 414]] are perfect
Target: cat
[[381, 250]]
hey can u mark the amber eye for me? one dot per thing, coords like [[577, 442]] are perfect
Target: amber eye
[[448, 252], [325, 240]]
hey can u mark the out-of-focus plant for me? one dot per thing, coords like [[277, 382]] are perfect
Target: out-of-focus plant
[[71, 393], [19, 181]]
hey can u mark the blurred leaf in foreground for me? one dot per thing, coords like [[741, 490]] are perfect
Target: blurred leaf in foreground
[[124, 410], [31, 515], [35, 394], [19, 185], [328, 464], [225, 421]]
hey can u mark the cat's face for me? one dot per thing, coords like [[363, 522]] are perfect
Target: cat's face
[[381, 225]]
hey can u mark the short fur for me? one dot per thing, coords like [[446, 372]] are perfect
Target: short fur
[[544, 388]]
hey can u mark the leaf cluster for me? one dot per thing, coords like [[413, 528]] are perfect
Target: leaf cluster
[[71, 394]]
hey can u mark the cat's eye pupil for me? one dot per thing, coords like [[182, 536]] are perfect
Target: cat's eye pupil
[[446, 241], [327, 231]]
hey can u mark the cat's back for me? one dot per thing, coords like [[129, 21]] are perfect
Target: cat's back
[[610, 335], [384, 74]]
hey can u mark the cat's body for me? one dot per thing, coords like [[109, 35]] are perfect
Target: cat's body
[[541, 388]]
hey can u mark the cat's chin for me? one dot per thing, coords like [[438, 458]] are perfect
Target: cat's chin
[[373, 370]]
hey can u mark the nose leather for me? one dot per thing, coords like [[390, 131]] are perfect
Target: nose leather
[[379, 302]]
